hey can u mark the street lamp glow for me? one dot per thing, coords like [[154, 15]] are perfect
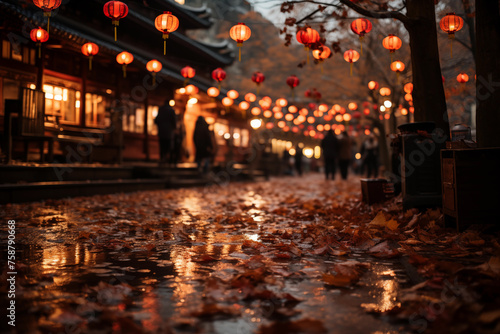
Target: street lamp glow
[[255, 123], [227, 135], [308, 152], [192, 101], [387, 104], [382, 108]]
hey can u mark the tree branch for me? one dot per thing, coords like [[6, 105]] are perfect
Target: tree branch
[[377, 15]]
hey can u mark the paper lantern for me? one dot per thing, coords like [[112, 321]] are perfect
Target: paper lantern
[[408, 88], [372, 85], [384, 91], [115, 10], [398, 67], [250, 97], [240, 33], [450, 24], [361, 27], [124, 58], [154, 66], [213, 92], [90, 50], [281, 102], [392, 43], [39, 36], [352, 106], [293, 82], [462, 78], [258, 78], [187, 72], [307, 36], [218, 75], [192, 89], [232, 94], [351, 56], [166, 23], [322, 53], [244, 105], [47, 6], [227, 101]]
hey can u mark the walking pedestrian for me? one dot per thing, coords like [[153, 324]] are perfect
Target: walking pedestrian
[[369, 154], [203, 144], [166, 123], [298, 159], [344, 154], [330, 144]]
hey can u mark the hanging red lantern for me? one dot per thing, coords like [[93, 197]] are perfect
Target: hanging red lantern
[[322, 53], [232, 94], [352, 106], [154, 66], [398, 67], [90, 50], [392, 43], [408, 88], [356, 115], [293, 82], [258, 78], [218, 75], [462, 78], [240, 33], [384, 91], [187, 72], [39, 36], [213, 92], [47, 6], [351, 56], [249, 97], [450, 24], [372, 85], [308, 37], [124, 58], [361, 27], [115, 10], [166, 23]]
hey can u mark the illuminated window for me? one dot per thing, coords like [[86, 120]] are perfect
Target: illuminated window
[[62, 105], [95, 110], [152, 113]]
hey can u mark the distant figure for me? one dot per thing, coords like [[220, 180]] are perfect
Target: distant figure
[[344, 154], [287, 168], [298, 160], [203, 144], [330, 144], [177, 145], [369, 154], [166, 123]]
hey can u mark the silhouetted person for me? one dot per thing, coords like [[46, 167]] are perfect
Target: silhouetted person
[[166, 123], [287, 168], [344, 154], [177, 145], [298, 160], [330, 144], [203, 144], [369, 153]]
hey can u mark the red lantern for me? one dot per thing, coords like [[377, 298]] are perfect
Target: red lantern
[[218, 75], [384, 91], [249, 97], [47, 6], [240, 33], [392, 43], [308, 37], [232, 94], [187, 72], [462, 78], [372, 85], [293, 82], [322, 53], [154, 66], [398, 67], [166, 23], [115, 10], [90, 50], [408, 88], [356, 115], [213, 92], [361, 27], [258, 78], [352, 106], [351, 56], [39, 36], [450, 24], [124, 58], [227, 101]]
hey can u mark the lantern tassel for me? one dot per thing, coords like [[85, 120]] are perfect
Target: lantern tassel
[[90, 63], [48, 23], [164, 47], [219, 85], [154, 78], [351, 69], [307, 50], [124, 67], [361, 45], [239, 45], [258, 89], [39, 50], [451, 46], [115, 33], [391, 57]]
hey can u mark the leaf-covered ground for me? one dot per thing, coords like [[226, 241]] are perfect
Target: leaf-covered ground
[[291, 255]]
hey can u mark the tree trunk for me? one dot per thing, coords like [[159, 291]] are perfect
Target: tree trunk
[[488, 72], [428, 92]]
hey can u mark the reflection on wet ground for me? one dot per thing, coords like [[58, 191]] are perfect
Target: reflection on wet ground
[[235, 259]]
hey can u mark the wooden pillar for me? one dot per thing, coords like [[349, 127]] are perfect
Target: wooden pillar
[[83, 99], [146, 134]]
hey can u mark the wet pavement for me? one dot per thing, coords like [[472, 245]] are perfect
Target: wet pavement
[[290, 255]]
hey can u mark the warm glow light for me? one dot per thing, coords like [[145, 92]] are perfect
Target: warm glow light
[[372, 85], [269, 125], [323, 107], [408, 97], [387, 104], [382, 108], [367, 132], [308, 152], [255, 123], [404, 111], [289, 117], [281, 124], [384, 91], [339, 118], [213, 92], [191, 89], [281, 102], [292, 150], [227, 135], [352, 106], [408, 88], [232, 94], [357, 156], [346, 117], [267, 113], [255, 111], [227, 101], [311, 119], [192, 101], [397, 66], [292, 109], [320, 127], [387, 116], [171, 103], [244, 105], [327, 127], [278, 115]]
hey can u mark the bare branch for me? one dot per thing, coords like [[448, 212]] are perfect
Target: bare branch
[[377, 15]]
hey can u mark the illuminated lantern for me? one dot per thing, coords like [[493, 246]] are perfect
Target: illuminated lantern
[[450, 24], [278, 115], [166, 23], [187, 72], [154, 66], [267, 113], [462, 78], [255, 111], [269, 125], [366, 111], [39, 36], [281, 102], [339, 118], [408, 97], [191, 89], [232, 94], [307, 36], [47, 6], [289, 117], [323, 107], [398, 67], [218, 75], [361, 27], [322, 53], [124, 58], [115, 10], [292, 109], [293, 82], [90, 50], [250, 97], [346, 117], [227, 102], [240, 33], [356, 115], [213, 92], [258, 78], [351, 56], [408, 88], [244, 105], [404, 111], [352, 106], [372, 85], [384, 91], [387, 116], [312, 106], [392, 43], [311, 120]]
